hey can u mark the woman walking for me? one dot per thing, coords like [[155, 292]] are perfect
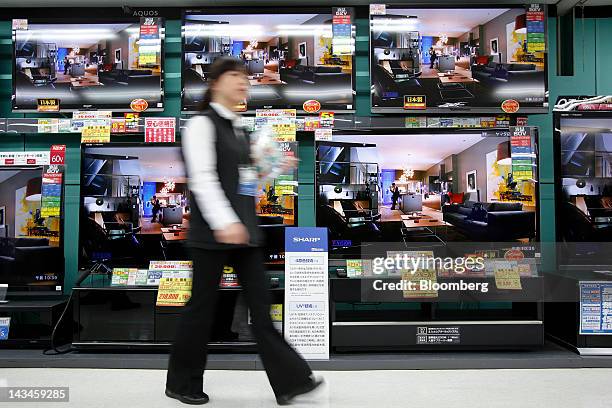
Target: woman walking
[[223, 230]]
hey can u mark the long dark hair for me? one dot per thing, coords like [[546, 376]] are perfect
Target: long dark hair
[[218, 68]]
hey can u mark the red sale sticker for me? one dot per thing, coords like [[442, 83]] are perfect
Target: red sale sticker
[[311, 106], [139, 105], [510, 106]]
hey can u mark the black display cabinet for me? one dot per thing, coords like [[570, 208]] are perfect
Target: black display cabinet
[[120, 318], [578, 294]]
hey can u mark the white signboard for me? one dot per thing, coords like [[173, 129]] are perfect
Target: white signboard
[[307, 292]]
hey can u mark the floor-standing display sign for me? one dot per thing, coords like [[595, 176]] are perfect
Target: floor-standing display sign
[[307, 292]]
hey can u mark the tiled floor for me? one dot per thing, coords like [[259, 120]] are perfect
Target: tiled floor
[[558, 388]]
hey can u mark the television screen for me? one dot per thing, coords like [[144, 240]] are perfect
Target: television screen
[[136, 206], [333, 163], [289, 58], [443, 59], [31, 253], [415, 188], [104, 66], [585, 189]]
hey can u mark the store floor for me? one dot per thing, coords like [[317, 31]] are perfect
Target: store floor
[[559, 388], [552, 355]]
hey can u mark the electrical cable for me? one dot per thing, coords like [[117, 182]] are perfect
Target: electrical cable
[[53, 333]]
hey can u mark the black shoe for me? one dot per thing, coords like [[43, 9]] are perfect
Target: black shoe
[[311, 385], [193, 399]]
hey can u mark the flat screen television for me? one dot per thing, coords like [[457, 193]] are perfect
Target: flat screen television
[[121, 224], [31, 242], [126, 190], [583, 145], [288, 55], [478, 59], [454, 187], [87, 65]]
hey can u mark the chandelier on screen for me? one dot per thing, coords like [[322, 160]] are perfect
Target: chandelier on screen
[[168, 187], [407, 174]]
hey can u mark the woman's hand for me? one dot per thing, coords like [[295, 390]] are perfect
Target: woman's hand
[[235, 233], [289, 163]]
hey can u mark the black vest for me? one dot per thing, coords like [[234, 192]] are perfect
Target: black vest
[[232, 151]]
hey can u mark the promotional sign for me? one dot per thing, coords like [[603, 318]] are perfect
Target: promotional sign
[[173, 291], [96, 131], [596, 308], [229, 278], [131, 122], [120, 276], [51, 192], [536, 37], [522, 154], [378, 9], [149, 44], [160, 130], [507, 275], [342, 35], [510, 106], [85, 115], [326, 119], [47, 125], [25, 158], [20, 24], [58, 154], [5, 324], [281, 121], [415, 102], [323, 135], [175, 282], [48, 105], [311, 106], [139, 105], [307, 291], [310, 124], [118, 125]]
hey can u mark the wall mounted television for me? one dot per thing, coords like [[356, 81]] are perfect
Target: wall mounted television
[[31, 242], [477, 59], [289, 56], [583, 172], [89, 65], [444, 180], [119, 227]]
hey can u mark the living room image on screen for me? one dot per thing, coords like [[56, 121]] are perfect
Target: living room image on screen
[[31, 255], [288, 58], [135, 205], [585, 203], [88, 66], [471, 58], [423, 188]]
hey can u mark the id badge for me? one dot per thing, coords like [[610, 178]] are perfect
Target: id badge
[[248, 180]]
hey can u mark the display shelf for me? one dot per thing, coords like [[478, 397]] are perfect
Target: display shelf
[[361, 290], [27, 332], [124, 318], [367, 320]]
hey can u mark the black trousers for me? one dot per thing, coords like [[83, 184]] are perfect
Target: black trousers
[[285, 368]]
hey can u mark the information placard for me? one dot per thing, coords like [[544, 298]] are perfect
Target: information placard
[[307, 291], [596, 308]]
